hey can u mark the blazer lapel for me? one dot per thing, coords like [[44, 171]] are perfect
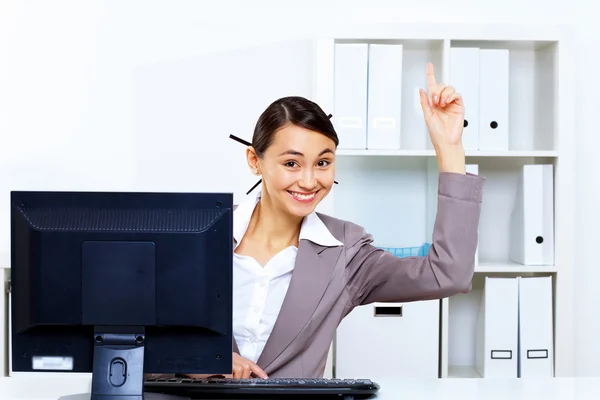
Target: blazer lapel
[[313, 269]]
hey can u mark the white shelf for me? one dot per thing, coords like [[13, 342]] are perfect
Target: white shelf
[[431, 153], [513, 268], [457, 371]]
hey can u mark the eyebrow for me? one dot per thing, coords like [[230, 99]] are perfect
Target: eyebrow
[[297, 153]]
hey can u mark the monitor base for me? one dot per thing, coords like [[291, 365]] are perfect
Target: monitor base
[[118, 372]]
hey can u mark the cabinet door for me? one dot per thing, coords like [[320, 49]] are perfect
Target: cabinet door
[[389, 340]]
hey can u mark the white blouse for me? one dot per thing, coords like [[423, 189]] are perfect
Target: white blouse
[[258, 292]]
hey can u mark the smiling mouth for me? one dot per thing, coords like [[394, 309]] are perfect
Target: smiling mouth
[[304, 197]]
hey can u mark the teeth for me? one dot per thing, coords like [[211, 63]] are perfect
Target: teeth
[[303, 196]]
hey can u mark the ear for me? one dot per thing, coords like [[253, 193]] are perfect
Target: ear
[[253, 160]]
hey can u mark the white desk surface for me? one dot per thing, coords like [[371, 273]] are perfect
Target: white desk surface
[[52, 387]]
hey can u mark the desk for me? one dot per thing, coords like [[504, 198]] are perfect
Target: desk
[[53, 387]]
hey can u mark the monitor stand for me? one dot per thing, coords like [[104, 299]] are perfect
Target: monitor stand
[[118, 372]]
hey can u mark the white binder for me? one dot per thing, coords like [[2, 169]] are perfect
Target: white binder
[[532, 219], [493, 99], [464, 76], [350, 94], [496, 353], [384, 96], [536, 355]]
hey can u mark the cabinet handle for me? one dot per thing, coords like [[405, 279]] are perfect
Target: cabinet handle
[[501, 354], [541, 353], [387, 311]]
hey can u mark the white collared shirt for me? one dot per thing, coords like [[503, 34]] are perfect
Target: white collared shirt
[[258, 291]]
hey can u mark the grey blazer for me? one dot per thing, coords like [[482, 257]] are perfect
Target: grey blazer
[[328, 282]]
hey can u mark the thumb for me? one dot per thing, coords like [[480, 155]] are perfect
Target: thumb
[[425, 103]]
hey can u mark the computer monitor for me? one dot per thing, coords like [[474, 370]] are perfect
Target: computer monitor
[[121, 284]]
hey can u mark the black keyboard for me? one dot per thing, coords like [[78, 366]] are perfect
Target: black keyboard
[[256, 388]]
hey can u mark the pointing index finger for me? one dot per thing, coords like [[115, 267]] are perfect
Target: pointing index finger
[[430, 77]]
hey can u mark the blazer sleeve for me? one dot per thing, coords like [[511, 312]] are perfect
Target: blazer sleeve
[[375, 275]]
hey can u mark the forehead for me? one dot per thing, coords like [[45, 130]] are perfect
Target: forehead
[[305, 141]]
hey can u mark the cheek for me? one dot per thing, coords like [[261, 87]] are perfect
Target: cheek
[[327, 177], [280, 178]]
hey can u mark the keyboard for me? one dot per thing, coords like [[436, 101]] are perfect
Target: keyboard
[[257, 388]]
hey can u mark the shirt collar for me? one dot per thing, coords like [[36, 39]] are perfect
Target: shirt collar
[[312, 228]]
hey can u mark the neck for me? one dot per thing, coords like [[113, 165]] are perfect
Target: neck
[[274, 226]]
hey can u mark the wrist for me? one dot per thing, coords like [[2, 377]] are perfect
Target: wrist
[[451, 159]]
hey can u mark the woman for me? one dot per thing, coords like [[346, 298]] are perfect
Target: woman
[[297, 273]]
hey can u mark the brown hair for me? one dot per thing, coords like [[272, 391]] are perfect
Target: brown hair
[[290, 110]]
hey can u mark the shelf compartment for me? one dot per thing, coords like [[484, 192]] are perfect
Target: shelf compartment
[[533, 88]]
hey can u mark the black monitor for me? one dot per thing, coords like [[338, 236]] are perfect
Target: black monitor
[[121, 284]]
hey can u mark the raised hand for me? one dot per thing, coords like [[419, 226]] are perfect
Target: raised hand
[[443, 110], [444, 114]]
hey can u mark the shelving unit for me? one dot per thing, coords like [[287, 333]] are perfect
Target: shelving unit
[[392, 192]]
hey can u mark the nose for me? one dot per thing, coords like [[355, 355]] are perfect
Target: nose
[[307, 179]]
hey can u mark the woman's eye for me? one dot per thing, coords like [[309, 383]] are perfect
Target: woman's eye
[[290, 164], [323, 163]]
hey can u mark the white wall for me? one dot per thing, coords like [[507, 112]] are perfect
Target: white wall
[[81, 84]]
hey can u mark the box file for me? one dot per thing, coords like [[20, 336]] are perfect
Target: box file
[[532, 219], [536, 355], [350, 94], [464, 76], [493, 99], [497, 329], [384, 96]]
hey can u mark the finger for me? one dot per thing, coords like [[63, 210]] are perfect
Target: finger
[[429, 72], [435, 93], [238, 371], [445, 94], [456, 98], [425, 103], [246, 371], [258, 371]]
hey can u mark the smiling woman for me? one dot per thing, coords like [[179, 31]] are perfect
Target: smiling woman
[[297, 272], [293, 148]]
